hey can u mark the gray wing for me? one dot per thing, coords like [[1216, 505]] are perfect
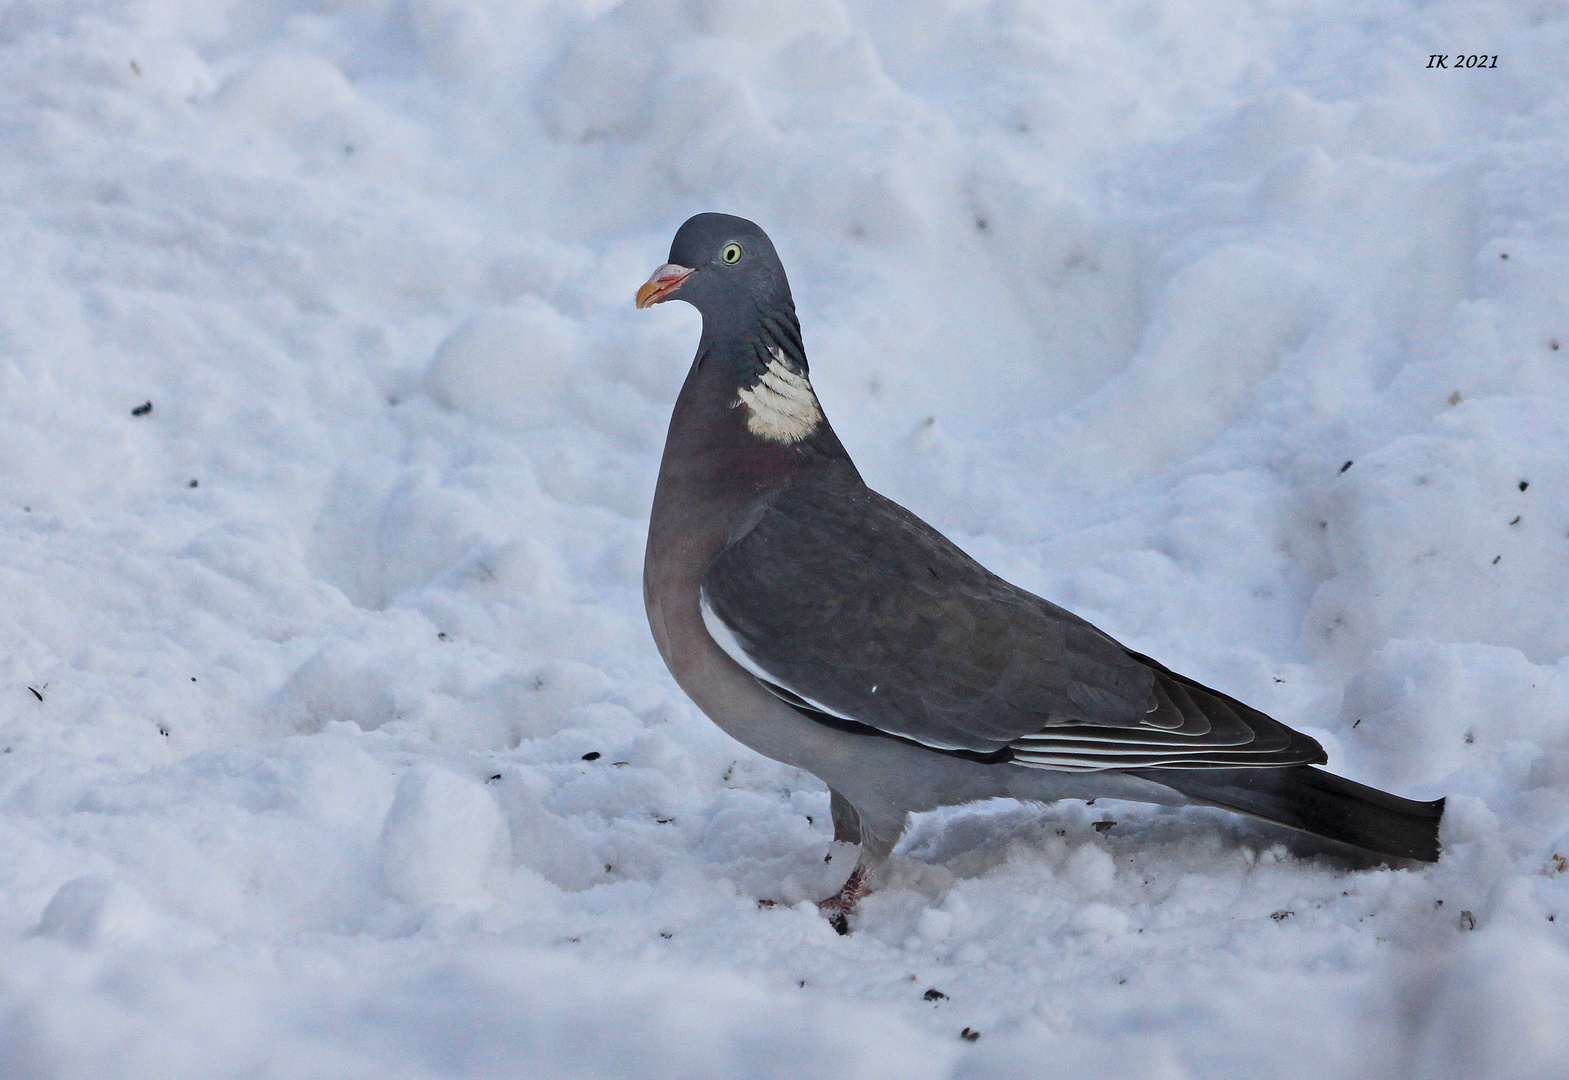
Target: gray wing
[[845, 604]]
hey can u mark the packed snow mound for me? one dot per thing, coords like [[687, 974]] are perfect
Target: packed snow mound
[[332, 740]]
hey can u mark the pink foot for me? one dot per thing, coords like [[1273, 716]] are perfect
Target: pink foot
[[841, 905]]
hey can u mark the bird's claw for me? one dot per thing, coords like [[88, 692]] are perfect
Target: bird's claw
[[838, 908]]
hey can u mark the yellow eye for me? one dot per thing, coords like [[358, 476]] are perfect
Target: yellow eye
[[731, 253]]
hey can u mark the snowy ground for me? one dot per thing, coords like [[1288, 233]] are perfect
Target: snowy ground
[[334, 745]]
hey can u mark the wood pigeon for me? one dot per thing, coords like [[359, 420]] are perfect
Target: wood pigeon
[[829, 628]]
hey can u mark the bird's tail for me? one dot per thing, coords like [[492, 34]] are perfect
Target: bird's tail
[[1317, 802]]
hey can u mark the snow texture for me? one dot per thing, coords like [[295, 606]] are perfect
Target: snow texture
[[334, 744]]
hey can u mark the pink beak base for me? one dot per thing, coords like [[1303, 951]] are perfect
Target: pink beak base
[[664, 281]]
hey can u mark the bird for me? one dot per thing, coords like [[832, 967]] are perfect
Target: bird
[[827, 627]]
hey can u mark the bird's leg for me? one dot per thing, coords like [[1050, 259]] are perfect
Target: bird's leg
[[847, 823], [877, 837]]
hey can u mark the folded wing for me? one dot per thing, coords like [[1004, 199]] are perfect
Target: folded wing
[[849, 607]]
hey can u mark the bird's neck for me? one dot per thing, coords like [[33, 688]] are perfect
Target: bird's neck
[[718, 463]]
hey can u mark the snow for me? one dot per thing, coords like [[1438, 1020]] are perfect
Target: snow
[[334, 743]]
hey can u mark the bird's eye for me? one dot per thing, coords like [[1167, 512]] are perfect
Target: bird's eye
[[731, 253]]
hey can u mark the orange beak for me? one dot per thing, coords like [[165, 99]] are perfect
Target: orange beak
[[666, 280]]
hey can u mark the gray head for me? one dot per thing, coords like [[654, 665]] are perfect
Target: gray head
[[727, 268]]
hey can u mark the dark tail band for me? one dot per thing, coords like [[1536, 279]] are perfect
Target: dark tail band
[[1317, 802]]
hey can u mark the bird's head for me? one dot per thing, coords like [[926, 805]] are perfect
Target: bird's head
[[725, 267]]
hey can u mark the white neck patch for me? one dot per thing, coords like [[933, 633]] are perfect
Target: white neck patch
[[782, 406]]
